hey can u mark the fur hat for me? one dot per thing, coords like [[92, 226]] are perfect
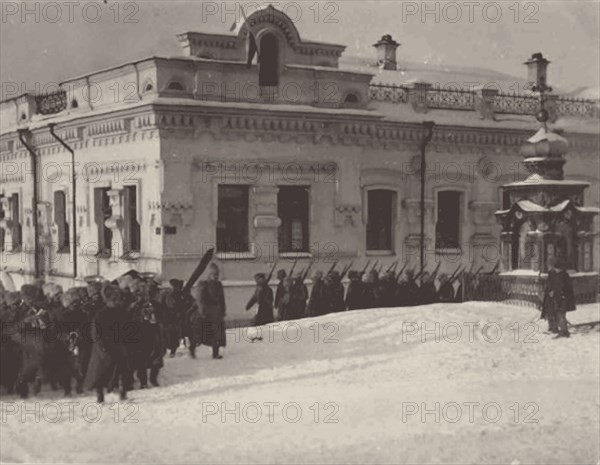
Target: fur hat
[[71, 296], [30, 293], [281, 274], [12, 298], [112, 294], [258, 276], [176, 283], [52, 290]]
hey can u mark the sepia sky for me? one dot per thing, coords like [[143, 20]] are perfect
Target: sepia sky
[[53, 43]]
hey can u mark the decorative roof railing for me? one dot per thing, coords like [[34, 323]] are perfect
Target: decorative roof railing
[[50, 103], [451, 99], [514, 104], [458, 99], [386, 93]]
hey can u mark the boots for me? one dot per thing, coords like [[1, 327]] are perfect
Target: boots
[[215, 353], [154, 376], [100, 395]]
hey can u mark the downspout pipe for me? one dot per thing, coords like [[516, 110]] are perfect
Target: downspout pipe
[[51, 126], [23, 133], [428, 125]]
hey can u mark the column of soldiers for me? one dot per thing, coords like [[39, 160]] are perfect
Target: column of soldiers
[[106, 334], [367, 288]]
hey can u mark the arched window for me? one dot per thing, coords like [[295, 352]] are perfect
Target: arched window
[[268, 74], [74, 103], [175, 86], [351, 98], [149, 87]]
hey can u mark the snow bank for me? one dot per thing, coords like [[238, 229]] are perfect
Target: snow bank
[[465, 383]]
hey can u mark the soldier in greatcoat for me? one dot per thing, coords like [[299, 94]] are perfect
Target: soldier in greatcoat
[[559, 298], [109, 359], [210, 300], [355, 294], [279, 293], [333, 293], [446, 290], [263, 296], [315, 301]]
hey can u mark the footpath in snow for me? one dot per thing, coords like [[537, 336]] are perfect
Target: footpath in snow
[[465, 383]]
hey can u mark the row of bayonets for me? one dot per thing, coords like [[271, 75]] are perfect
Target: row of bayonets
[[460, 270]]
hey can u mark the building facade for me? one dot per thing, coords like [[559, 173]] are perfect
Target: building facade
[[301, 155]]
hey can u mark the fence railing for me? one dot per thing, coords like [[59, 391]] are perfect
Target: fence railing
[[514, 290], [458, 99]]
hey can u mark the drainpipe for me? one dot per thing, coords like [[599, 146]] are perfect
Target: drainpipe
[[73, 196], [36, 240], [428, 125]]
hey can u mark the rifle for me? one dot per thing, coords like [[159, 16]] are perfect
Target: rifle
[[380, 268], [346, 269], [332, 267], [293, 266], [434, 274], [307, 269], [271, 273], [471, 268], [199, 270], [479, 269], [495, 267], [392, 267], [418, 275], [401, 271], [375, 265], [454, 275], [364, 270]]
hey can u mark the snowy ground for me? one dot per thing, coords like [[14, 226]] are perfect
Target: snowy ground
[[358, 387]]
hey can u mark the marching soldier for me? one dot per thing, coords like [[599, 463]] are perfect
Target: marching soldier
[[355, 295], [175, 305], [109, 360], [280, 292], [263, 296], [315, 302], [299, 295], [427, 291], [407, 292], [387, 289], [333, 293], [446, 290], [372, 290]]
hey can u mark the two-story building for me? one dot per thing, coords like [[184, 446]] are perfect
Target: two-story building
[[299, 155]]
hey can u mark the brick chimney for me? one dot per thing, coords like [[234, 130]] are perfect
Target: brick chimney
[[386, 52]]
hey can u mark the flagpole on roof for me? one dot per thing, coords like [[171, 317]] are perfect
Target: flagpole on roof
[[251, 33]]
